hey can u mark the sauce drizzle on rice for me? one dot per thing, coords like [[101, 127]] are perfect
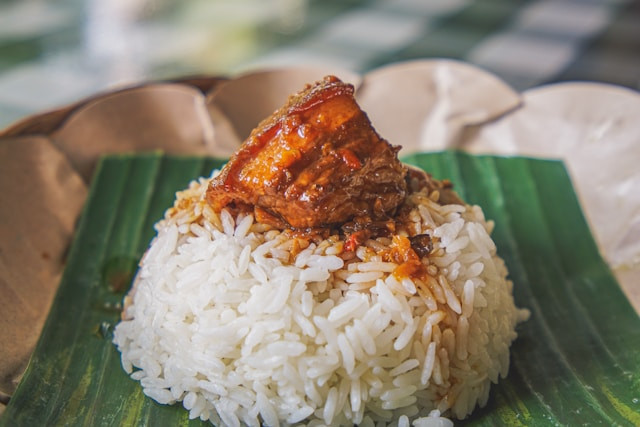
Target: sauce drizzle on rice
[[316, 279]]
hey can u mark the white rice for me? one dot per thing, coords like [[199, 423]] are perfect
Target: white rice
[[247, 326]]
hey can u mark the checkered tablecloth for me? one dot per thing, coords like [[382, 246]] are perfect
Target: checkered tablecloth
[[52, 53]]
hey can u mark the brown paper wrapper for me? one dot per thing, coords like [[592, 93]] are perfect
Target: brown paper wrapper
[[46, 161], [41, 197]]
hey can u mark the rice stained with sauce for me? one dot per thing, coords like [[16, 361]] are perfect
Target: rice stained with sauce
[[248, 325]]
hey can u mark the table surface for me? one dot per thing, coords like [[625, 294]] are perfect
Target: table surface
[[53, 53]]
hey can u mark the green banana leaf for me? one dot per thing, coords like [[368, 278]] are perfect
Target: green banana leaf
[[575, 362]]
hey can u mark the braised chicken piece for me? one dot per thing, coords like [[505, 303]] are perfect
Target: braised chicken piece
[[315, 162]]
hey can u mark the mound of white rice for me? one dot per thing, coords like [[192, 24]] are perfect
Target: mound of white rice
[[248, 325]]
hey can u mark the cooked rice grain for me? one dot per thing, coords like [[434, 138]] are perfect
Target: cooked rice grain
[[245, 326]]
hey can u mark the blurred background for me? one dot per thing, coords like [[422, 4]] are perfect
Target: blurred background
[[54, 52]]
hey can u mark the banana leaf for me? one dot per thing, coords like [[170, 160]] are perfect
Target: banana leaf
[[575, 362]]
